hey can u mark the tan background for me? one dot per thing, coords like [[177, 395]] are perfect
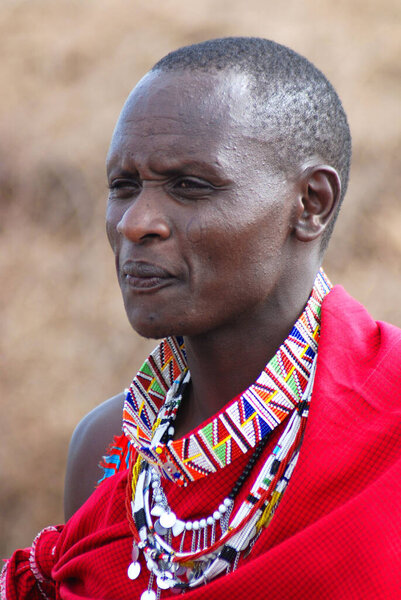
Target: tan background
[[66, 67]]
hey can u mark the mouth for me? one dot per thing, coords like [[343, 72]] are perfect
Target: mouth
[[145, 277]]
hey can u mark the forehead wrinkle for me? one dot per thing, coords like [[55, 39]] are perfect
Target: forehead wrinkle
[[178, 129], [203, 141], [173, 157], [175, 126], [133, 120]]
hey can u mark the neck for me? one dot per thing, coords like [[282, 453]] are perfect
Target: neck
[[225, 362]]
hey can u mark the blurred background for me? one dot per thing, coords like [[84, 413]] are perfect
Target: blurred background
[[66, 68]]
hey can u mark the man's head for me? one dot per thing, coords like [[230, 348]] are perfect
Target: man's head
[[293, 103], [214, 208]]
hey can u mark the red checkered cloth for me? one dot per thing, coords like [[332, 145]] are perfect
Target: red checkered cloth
[[336, 534]]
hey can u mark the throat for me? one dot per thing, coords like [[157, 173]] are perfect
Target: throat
[[190, 414], [217, 377], [225, 362]]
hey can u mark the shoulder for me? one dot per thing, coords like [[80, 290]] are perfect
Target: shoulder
[[346, 319], [358, 352], [88, 444]]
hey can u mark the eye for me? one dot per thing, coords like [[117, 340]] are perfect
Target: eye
[[123, 188], [191, 187]]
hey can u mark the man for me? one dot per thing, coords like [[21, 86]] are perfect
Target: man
[[261, 447]]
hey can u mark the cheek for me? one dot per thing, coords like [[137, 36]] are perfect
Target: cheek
[[112, 220], [195, 230]]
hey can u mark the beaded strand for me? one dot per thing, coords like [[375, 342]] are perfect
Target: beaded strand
[[154, 538]]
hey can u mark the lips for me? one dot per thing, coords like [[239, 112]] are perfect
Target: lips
[[144, 276]]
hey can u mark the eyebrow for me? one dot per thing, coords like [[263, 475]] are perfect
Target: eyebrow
[[173, 166]]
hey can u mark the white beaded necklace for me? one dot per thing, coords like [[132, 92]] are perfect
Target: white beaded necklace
[[157, 525]]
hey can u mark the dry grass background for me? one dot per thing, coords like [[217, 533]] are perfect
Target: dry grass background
[[66, 67]]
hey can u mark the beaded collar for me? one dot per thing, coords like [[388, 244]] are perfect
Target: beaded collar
[[242, 423]]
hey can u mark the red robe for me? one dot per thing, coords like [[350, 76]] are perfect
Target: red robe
[[336, 534]]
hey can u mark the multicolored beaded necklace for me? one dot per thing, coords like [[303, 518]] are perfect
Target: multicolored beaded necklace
[[283, 388]]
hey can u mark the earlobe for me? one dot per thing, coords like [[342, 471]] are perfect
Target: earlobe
[[319, 197]]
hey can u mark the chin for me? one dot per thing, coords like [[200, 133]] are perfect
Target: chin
[[153, 328], [149, 331], [158, 324]]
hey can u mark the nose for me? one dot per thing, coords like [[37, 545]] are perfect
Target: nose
[[144, 219]]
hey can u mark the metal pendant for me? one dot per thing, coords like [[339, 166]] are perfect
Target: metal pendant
[[159, 528], [133, 570], [178, 527], [148, 595], [165, 580], [168, 519], [157, 510], [135, 552]]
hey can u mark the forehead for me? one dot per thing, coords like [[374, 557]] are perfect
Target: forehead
[[189, 96], [184, 112]]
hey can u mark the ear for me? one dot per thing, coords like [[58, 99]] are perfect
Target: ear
[[320, 194]]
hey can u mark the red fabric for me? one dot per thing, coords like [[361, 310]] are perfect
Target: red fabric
[[337, 532], [28, 573]]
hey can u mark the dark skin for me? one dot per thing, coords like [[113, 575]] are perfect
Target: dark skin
[[212, 239]]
